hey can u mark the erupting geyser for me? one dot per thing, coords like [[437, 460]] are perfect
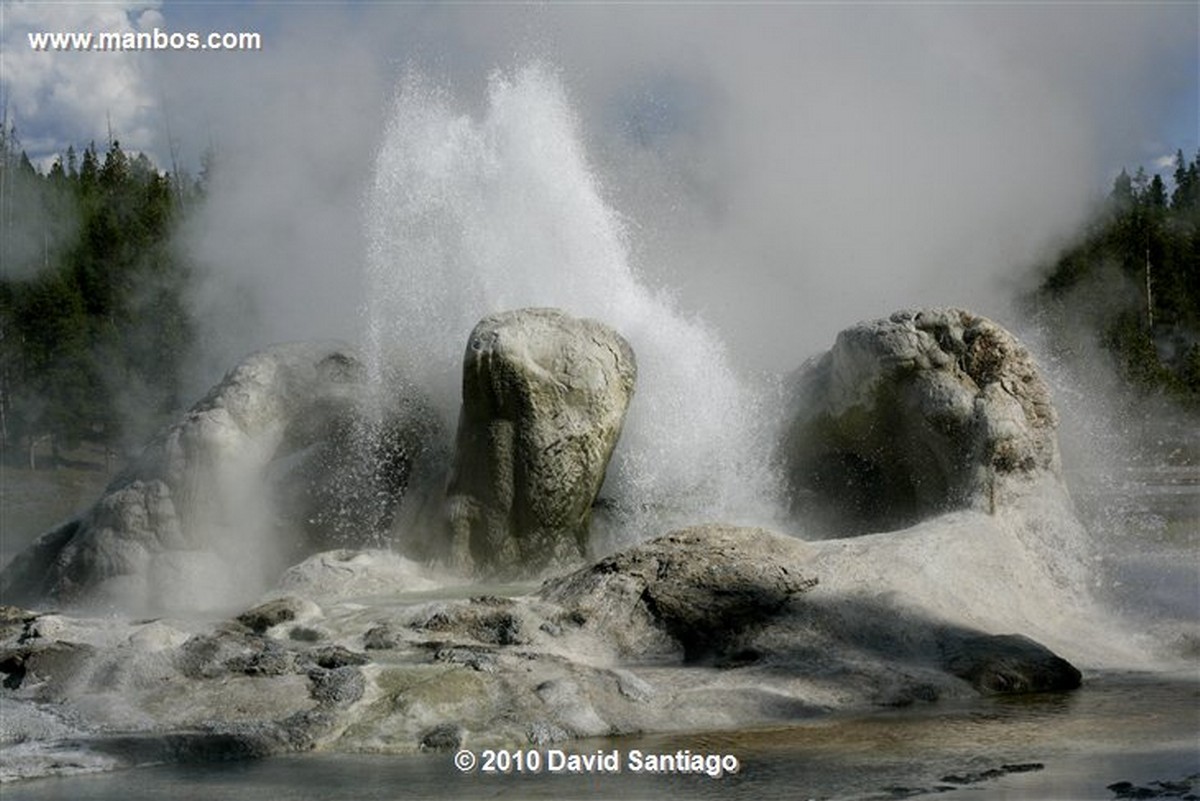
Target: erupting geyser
[[469, 217], [935, 423]]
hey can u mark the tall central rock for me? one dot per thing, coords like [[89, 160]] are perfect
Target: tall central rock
[[544, 399]]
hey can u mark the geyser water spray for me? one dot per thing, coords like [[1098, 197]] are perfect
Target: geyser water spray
[[468, 216]]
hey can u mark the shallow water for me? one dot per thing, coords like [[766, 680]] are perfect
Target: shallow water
[[1134, 728]]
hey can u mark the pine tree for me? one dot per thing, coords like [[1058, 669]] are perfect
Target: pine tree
[[1122, 191], [1181, 198], [92, 332], [1156, 194], [1155, 242], [89, 172]]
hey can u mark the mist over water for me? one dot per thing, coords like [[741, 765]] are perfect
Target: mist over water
[[1132, 473], [472, 215]]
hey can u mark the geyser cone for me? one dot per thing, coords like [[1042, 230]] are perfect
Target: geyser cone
[[469, 217]]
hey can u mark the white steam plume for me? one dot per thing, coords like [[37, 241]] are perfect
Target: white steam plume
[[467, 218]]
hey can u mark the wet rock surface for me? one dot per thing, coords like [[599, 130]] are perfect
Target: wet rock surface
[[1009, 664], [544, 400], [444, 737], [992, 773], [272, 613], [708, 627], [1185, 788]]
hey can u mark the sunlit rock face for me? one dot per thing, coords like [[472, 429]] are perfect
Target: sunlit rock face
[[703, 590], [913, 415], [283, 458], [544, 400]]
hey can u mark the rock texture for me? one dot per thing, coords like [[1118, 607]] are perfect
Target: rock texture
[[914, 415], [704, 628], [705, 588], [278, 460], [937, 416], [544, 399]]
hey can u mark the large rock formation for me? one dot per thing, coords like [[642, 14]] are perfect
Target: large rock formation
[[704, 628], [281, 459], [544, 399], [628, 644], [914, 415]]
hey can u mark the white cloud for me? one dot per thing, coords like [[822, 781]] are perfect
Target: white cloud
[[1165, 162], [57, 98]]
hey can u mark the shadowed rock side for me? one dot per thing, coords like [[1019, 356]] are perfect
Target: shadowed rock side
[[997, 665], [913, 415], [279, 460], [544, 399]]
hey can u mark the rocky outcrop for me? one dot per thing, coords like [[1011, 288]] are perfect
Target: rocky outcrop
[[933, 416], [295, 453], [913, 415], [282, 458], [705, 588], [345, 573], [544, 399], [628, 644]]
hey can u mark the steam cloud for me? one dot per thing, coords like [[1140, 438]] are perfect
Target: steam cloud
[[784, 169], [468, 218]]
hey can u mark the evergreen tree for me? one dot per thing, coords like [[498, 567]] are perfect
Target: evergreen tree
[[93, 322], [1181, 197], [1122, 191], [89, 170], [1156, 195], [1150, 318]]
